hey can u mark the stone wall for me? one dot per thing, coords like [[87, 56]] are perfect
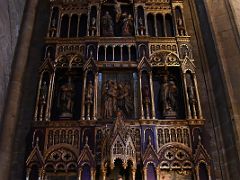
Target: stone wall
[[11, 12]]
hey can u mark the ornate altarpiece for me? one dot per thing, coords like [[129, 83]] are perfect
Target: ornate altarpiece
[[117, 95]]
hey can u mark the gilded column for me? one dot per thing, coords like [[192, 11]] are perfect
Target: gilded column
[[152, 96], [155, 25], [80, 174], [92, 174], [95, 96], [144, 173], [197, 172], [187, 98], [37, 101], [200, 116], [133, 173], [83, 94], [164, 25], [157, 173], [140, 90], [28, 173], [50, 96]]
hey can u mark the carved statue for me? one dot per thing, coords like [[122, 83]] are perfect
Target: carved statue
[[116, 98], [146, 99], [124, 98], [141, 26], [110, 95], [89, 98], [180, 27], [66, 99], [43, 93], [169, 93], [43, 99], [191, 95], [107, 24], [127, 27], [93, 27]]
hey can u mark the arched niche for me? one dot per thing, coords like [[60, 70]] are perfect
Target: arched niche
[[160, 25], [125, 53], [109, 53], [117, 53], [149, 136], [146, 94], [173, 79], [169, 25], [83, 26], [34, 172], [151, 172], [108, 15], [101, 53], [91, 49], [180, 21], [67, 95], [73, 26], [203, 171], [150, 25], [133, 53], [140, 12], [86, 172], [64, 26]]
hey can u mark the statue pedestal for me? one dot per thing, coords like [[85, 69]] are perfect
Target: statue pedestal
[[170, 114]]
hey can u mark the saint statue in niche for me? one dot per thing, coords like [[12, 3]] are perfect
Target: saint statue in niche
[[89, 98], [66, 99], [107, 25], [146, 99], [180, 27], [43, 99], [169, 96], [127, 27]]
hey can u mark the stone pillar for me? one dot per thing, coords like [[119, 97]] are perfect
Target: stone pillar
[[92, 174], [200, 116], [144, 173], [103, 174], [12, 106], [189, 115], [50, 96], [95, 96], [155, 25], [83, 94], [80, 174], [164, 25], [157, 169], [152, 96], [140, 90], [28, 173], [197, 172], [133, 173]]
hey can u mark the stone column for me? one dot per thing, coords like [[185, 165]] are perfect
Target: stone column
[[50, 96], [140, 90], [12, 106], [189, 115], [37, 101], [146, 23], [200, 116], [155, 24], [144, 173], [80, 174], [95, 96], [28, 173], [83, 95], [209, 173], [164, 25], [157, 169], [88, 20], [152, 95], [197, 172], [133, 173], [92, 174], [103, 174]]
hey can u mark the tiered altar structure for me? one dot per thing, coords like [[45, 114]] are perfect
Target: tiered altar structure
[[118, 95]]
